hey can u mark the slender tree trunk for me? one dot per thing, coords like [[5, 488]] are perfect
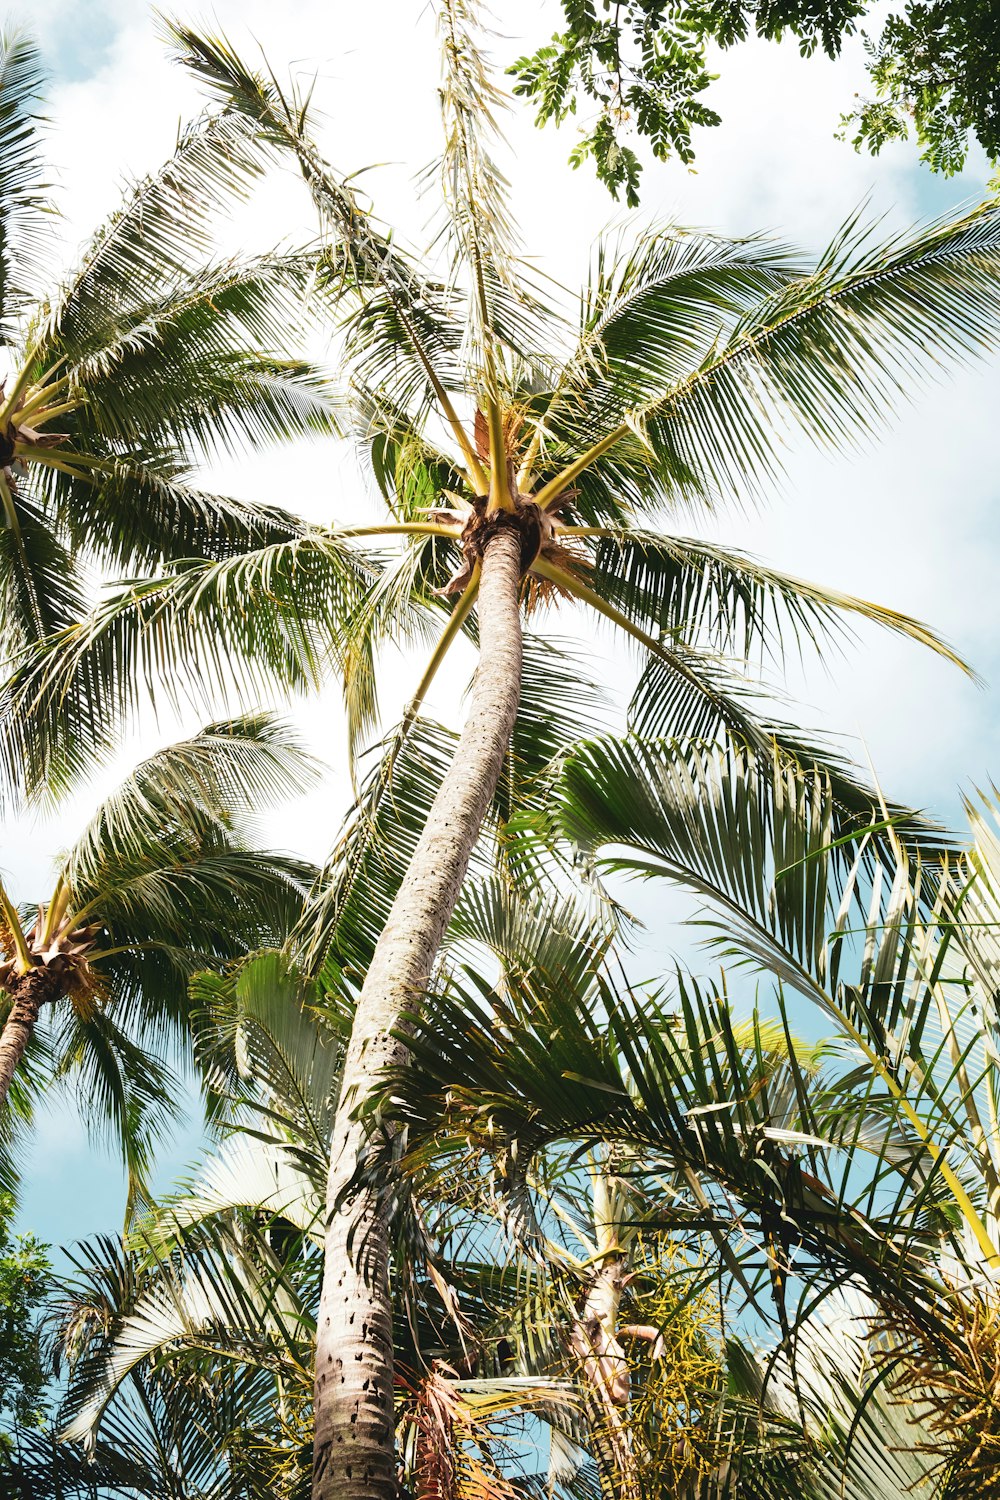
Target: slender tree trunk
[[354, 1421], [28, 993], [606, 1372]]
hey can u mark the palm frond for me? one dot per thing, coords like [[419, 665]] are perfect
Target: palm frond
[[125, 1094], [666, 1076], [474, 190], [141, 510], [654, 306], [165, 221], [22, 203], [211, 784], [831, 353], [356, 888], [230, 1298], [679, 586], [41, 583], [402, 320], [773, 838], [264, 1044], [273, 616]]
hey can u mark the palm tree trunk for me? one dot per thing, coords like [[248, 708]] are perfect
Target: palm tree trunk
[[354, 1455], [606, 1379], [27, 993]]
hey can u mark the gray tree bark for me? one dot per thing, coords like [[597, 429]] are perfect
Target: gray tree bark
[[27, 993], [354, 1453]]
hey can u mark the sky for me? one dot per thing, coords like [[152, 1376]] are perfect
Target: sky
[[908, 521]]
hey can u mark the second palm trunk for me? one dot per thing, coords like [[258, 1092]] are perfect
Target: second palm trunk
[[354, 1453]]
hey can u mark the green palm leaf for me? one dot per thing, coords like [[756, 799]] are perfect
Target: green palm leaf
[[831, 352], [22, 204], [269, 617], [698, 591]]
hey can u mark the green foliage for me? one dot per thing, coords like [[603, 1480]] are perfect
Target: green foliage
[[147, 355], [24, 1283], [936, 70], [641, 67]]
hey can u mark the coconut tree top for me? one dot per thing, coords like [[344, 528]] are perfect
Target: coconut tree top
[[165, 878], [526, 458], [120, 374]]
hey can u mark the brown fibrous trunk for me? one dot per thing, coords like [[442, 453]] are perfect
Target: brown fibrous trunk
[[27, 993]]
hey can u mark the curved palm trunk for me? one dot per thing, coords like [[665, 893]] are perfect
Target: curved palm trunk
[[28, 993], [354, 1424]]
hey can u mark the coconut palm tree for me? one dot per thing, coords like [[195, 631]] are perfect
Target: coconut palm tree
[[527, 458], [887, 1174], [163, 880], [118, 375], [213, 1299], [606, 1322]]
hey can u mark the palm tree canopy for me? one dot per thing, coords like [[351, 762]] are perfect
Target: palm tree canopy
[[473, 395], [164, 880], [119, 375]]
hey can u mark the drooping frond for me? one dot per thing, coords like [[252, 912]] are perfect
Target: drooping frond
[[207, 631], [772, 839], [201, 367], [127, 1096], [138, 510], [704, 593], [40, 581], [269, 1057], [231, 1299], [214, 783], [547, 931], [561, 703]]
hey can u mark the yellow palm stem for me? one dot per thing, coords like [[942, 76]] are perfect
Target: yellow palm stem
[[551, 492], [22, 958], [500, 495], [573, 585], [7, 503], [401, 528], [476, 474], [38, 414], [524, 473], [56, 911], [42, 392], [586, 530], [16, 391], [457, 619], [35, 455]]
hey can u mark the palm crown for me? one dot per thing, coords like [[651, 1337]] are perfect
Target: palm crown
[[474, 401], [163, 879], [118, 377]]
